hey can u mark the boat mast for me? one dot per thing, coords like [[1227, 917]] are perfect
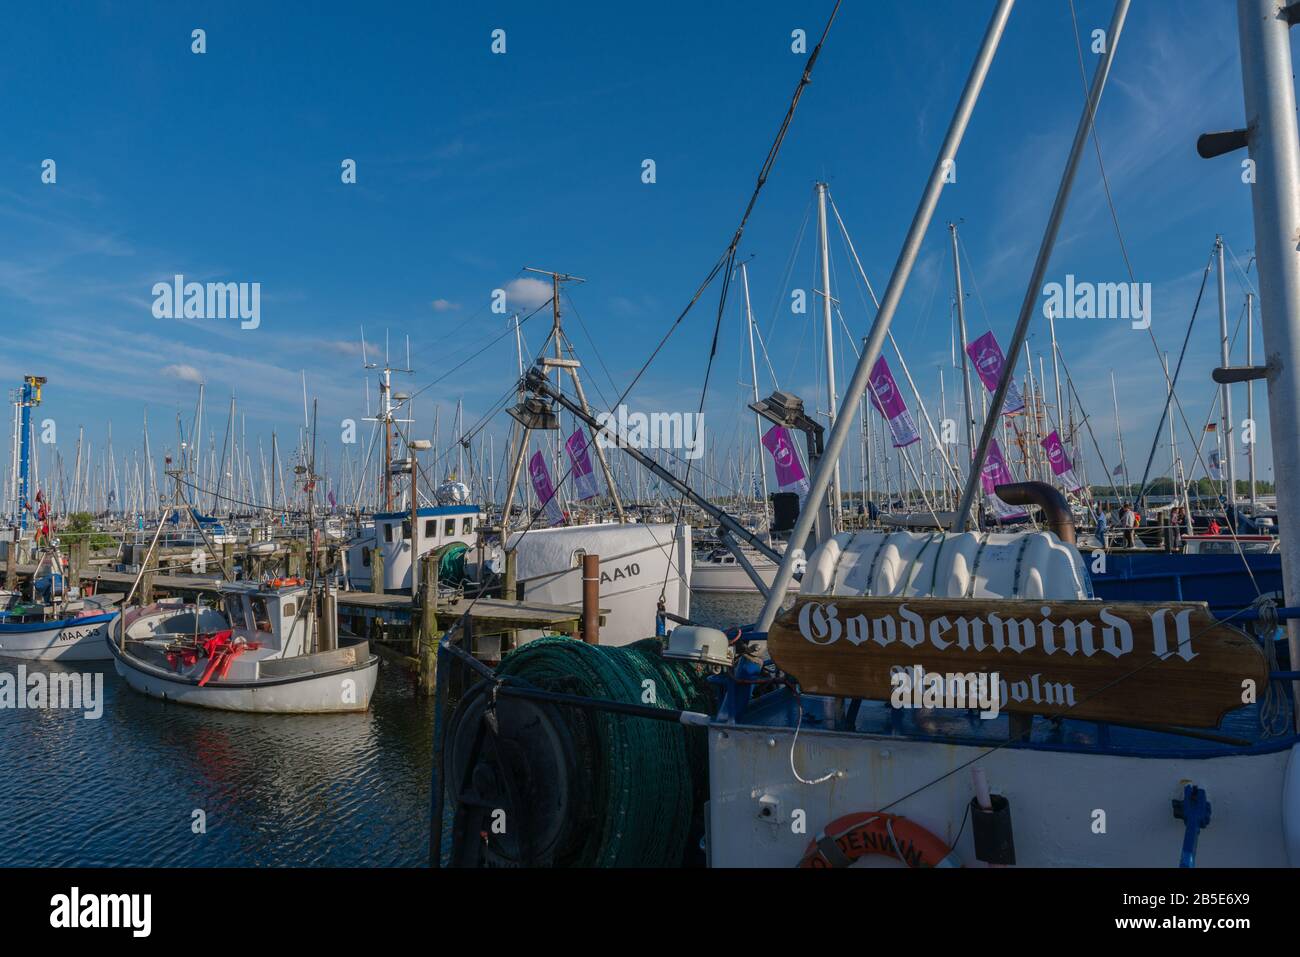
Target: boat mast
[[940, 173], [1250, 399], [837, 505], [753, 375], [1119, 435], [1034, 289], [961, 332], [1225, 406], [1274, 145]]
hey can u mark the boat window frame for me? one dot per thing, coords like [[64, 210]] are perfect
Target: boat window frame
[[232, 601], [253, 601]]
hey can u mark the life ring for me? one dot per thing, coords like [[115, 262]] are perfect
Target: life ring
[[872, 832]]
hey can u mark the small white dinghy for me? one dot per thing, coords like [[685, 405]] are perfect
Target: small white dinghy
[[264, 651]]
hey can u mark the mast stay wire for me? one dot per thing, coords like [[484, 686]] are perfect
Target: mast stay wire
[[1110, 202]]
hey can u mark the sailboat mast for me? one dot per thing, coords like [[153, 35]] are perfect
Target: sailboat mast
[[1119, 432], [753, 375], [837, 505], [1225, 390], [1250, 398], [961, 331]]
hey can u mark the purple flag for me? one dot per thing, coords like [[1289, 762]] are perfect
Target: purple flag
[[789, 469], [545, 491], [330, 498], [1061, 465], [584, 478], [884, 394], [986, 355], [995, 473]]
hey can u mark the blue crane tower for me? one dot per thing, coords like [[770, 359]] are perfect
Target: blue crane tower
[[29, 396]]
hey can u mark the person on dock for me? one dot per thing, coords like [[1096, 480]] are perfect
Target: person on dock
[[1099, 513], [1128, 518]]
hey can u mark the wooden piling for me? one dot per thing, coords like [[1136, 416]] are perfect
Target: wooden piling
[[429, 635], [376, 571], [509, 589], [591, 599]]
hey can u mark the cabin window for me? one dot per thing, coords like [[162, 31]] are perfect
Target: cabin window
[[406, 529], [431, 527], [234, 608], [365, 557], [289, 609], [449, 527], [388, 532], [261, 617], [466, 526]]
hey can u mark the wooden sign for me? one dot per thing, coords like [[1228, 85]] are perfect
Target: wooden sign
[[1166, 663]]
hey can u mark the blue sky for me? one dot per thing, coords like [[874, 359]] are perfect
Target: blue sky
[[226, 167]]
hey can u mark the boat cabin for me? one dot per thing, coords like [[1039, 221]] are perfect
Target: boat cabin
[[1229, 544], [268, 615], [435, 526]]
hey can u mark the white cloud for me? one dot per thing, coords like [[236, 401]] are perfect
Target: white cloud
[[444, 305], [183, 372], [527, 293]]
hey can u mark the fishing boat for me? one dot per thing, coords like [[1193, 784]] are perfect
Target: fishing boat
[[957, 697], [268, 648], [54, 622]]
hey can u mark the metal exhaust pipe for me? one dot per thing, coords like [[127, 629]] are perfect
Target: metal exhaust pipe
[[1056, 510]]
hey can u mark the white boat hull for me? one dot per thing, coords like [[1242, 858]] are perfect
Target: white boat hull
[[335, 692], [74, 639], [1068, 809], [709, 576], [637, 562]]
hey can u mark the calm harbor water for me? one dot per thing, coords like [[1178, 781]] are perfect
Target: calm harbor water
[[332, 790]]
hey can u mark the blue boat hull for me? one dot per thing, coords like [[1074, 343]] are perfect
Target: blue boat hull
[[1221, 581]]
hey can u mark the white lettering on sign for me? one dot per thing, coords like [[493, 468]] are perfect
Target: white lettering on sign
[[820, 623]]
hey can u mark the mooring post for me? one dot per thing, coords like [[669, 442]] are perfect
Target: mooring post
[[428, 634], [77, 560], [591, 599], [376, 571], [146, 582], [509, 590], [228, 558]]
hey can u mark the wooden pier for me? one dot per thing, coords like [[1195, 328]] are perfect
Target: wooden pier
[[401, 629]]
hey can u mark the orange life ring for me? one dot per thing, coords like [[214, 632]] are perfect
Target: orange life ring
[[872, 832]]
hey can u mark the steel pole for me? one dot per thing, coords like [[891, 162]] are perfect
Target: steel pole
[[1044, 257], [944, 168], [1274, 145]]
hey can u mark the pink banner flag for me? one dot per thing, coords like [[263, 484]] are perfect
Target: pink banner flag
[[884, 394], [995, 473], [584, 477], [541, 476], [1061, 464], [790, 474], [986, 355]]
